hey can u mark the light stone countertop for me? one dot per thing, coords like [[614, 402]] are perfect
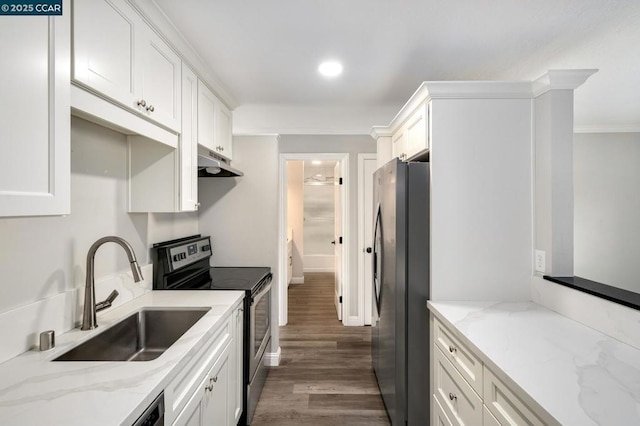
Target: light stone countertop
[[34, 390], [576, 374]]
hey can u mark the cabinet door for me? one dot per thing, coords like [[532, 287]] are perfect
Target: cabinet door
[[399, 144], [206, 116], [417, 132], [215, 408], [209, 404], [224, 141], [35, 119], [105, 50], [188, 143], [161, 83]]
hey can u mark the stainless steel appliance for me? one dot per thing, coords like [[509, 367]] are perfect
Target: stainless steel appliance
[[400, 326], [183, 264], [154, 414]]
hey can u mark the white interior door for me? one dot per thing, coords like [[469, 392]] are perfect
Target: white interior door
[[338, 239], [366, 175]]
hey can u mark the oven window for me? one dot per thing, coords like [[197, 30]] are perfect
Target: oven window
[[262, 319]]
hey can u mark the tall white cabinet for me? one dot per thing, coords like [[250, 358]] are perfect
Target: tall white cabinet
[[35, 119], [478, 139]]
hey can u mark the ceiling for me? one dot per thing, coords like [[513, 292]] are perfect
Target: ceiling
[[267, 52]]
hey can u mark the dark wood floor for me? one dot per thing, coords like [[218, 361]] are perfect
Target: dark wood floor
[[325, 375]]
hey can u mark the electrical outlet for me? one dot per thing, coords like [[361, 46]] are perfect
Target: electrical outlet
[[540, 262]]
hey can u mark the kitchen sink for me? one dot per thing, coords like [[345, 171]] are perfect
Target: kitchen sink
[[143, 336]]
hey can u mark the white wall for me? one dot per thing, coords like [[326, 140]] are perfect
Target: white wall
[[295, 216], [339, 144], [607, 208], [241, 214], [42, 257]]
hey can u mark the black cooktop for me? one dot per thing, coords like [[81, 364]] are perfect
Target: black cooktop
[[237, 278]]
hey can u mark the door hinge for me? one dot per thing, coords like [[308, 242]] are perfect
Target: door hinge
[[340, 299], [340, 240], [340, 181]]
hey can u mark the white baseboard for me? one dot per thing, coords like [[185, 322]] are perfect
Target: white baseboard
[[272, 359], [318, 270], [297, 280]]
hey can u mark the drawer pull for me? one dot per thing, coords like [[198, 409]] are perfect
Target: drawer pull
[[452, 349], [452, 396]]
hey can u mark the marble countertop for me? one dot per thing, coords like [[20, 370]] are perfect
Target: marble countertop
[[576, 374], [34, 390]]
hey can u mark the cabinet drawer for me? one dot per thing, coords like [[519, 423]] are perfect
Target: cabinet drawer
[[460, 356], [186, 382], [438, 417], [507, 408], [488, 419], [460, 402]]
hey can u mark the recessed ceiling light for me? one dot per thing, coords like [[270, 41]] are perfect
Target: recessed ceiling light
[[316, 162], [330, 68]]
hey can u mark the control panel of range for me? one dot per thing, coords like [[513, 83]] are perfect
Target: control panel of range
[[189, 253]]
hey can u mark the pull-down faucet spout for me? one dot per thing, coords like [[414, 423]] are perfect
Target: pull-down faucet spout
[[89, 310]]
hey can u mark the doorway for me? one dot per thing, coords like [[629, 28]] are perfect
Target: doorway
[[312, 237]]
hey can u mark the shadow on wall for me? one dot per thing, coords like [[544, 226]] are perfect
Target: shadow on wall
[[212, 190]]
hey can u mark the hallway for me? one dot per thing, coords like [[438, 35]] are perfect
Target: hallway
[[325, 375]]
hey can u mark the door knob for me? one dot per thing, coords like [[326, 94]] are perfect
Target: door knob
[[368, 250]]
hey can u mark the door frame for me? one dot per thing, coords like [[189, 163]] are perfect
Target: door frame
[[362, 244], [343, 159]]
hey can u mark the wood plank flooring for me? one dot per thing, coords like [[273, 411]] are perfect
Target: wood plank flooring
[[325, 375]]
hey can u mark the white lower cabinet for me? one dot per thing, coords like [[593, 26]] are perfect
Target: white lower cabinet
[[208, 389], [209, 404], [466, 391], [438, 417]]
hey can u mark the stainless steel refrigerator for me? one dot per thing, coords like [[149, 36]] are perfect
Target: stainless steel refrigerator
[[400, 324]]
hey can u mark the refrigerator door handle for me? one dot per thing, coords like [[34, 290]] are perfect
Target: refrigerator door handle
[[377, 258]]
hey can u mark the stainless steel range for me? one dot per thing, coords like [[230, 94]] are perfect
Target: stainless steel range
[[183, 264]]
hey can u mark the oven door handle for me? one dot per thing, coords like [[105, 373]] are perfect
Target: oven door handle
[[265, 288]]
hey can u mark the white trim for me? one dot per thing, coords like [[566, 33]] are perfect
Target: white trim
[[560, 80], [631, 128], [297, 280], [319, 270], [272, 359], [359, 319], [343, 158]]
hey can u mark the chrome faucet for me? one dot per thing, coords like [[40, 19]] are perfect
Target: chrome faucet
[[90, 307]]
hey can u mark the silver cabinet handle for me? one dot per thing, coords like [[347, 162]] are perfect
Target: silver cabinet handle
[[452, 349], [142, 103], [150, 108], [214, 379], [452, 396]]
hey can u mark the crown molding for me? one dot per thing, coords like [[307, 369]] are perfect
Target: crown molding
[[380, 132], [160, 22], [560, 80]]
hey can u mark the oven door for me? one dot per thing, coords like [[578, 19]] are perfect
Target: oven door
[[260, 325]]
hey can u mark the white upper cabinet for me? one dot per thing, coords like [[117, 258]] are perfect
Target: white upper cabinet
[[35, 120], [206, 116], [188, 148], [116, 54], [214, 123], [104, 48], [161, 82], [417, 129]]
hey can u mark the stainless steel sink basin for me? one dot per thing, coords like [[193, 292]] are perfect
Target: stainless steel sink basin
[[142, 336]]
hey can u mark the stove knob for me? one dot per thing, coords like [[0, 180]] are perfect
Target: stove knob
[[176, 257], [183, 256]]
